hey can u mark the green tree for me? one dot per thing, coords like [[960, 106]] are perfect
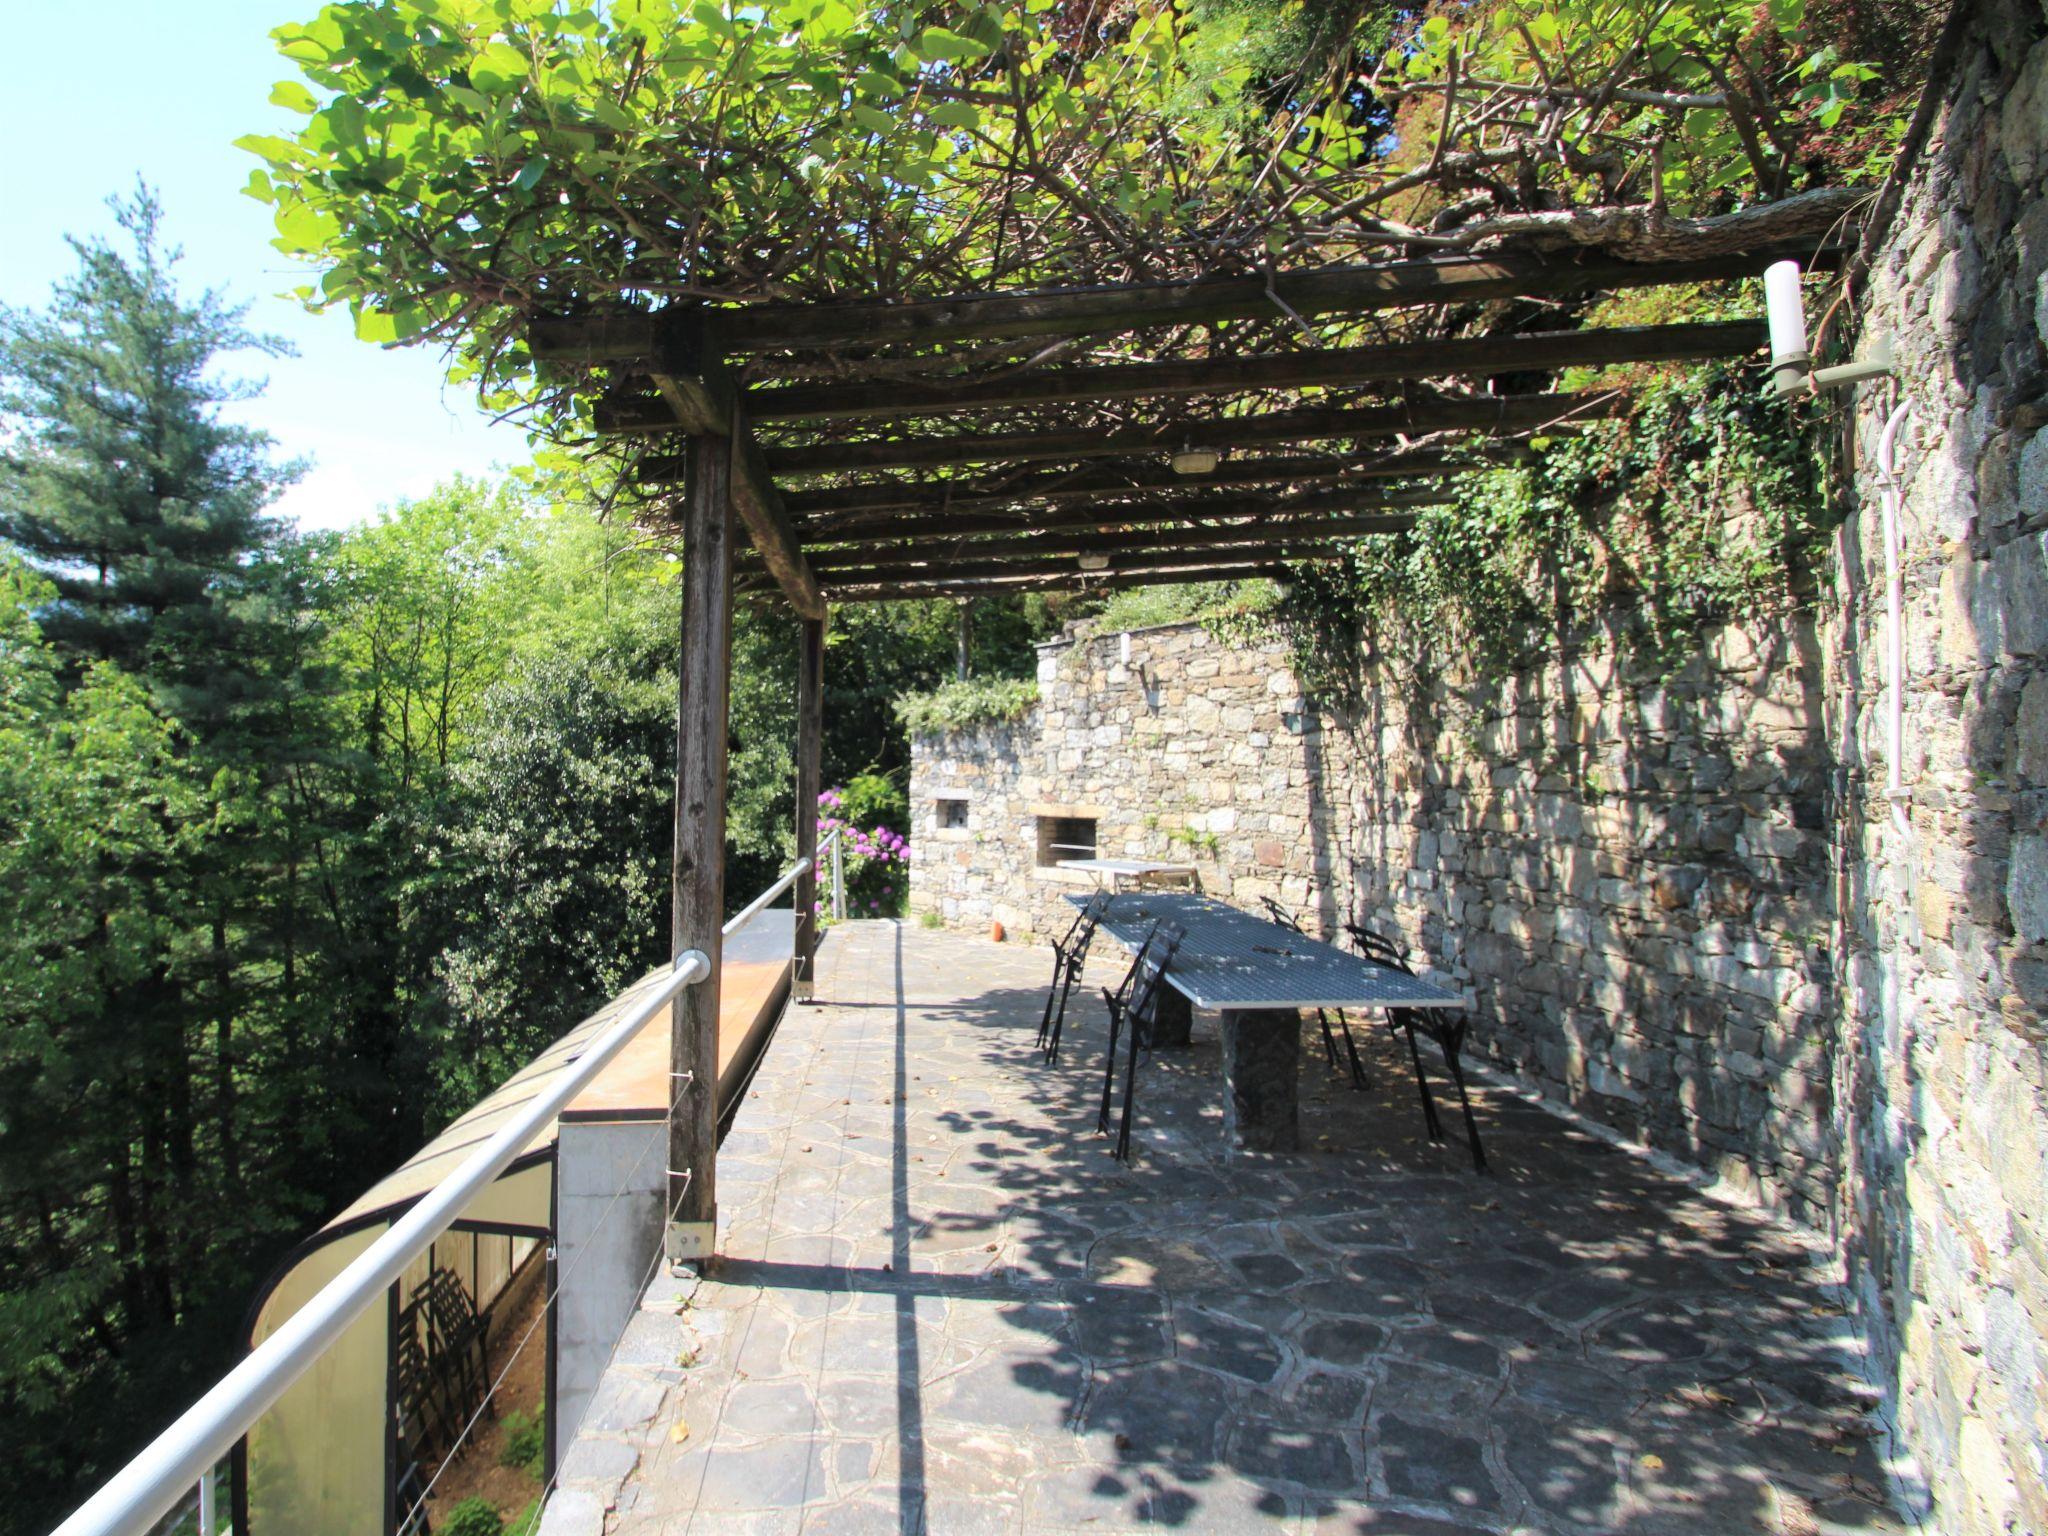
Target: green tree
[[134, 784], [121, 482], [96, 801], [556, 849]]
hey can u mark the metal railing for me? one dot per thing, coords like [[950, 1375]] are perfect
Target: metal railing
[[151, 1486]]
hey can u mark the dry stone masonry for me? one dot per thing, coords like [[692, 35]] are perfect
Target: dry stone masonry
[[1678, 895]]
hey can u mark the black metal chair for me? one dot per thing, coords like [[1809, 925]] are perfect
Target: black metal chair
[[1360, 1078], [1069, 954], [1133, 1004], [1446, 1029]]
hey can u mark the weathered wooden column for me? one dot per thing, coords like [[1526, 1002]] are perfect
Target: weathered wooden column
[[704, 667], [810, 738]]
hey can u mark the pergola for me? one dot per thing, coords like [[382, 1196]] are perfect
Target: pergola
[[898, 464]]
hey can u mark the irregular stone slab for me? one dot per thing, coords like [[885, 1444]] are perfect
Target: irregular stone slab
[[1567, 1471], [1164, 1412], [778, 1474], [1311, 1458], [1343, 1340], [1219, 1343], [1431, 1464]]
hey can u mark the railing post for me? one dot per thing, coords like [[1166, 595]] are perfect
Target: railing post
[[810, 733], [839, 879], [209, 1518], [704, 667]]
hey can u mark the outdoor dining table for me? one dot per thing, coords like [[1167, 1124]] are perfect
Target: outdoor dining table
[[1258, 977], [1139, 872]]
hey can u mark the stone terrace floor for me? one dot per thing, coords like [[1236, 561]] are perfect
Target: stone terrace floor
[[943, 1307]]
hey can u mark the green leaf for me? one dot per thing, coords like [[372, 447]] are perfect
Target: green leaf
[[499, 69], [375, 325], [954, 114], [530, 173], [292, 95], [279, 152], [302, 227], [938, 43]]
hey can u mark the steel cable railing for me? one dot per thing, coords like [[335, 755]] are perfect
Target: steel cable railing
[[152, 1485]]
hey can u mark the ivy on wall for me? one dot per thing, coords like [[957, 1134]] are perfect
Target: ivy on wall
[[1702, 502], [962, 705]]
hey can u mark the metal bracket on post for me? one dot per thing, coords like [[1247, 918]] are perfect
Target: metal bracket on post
[[691, 1242]]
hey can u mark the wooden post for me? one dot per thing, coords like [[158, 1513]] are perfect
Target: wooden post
[[810, 733], [704, 668]]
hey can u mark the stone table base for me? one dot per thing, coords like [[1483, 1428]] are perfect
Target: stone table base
[[1173, 1018], [1261, 1079]]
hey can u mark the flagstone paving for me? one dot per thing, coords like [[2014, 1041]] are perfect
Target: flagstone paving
[[943, 1307]]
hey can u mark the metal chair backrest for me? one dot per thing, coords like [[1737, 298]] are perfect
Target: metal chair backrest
[[1155, 958], [1082, 929], [1377, 949], [1083, 932], [1120, 998]]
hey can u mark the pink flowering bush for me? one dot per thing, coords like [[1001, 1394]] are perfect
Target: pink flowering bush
[[877, 856]]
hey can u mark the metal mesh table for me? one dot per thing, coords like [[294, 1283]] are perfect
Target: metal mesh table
[[1232, 960], [1260, 977]]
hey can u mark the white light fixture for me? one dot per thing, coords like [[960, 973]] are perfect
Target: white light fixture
[[1094, 562], [1190, 460], [1792, 367]]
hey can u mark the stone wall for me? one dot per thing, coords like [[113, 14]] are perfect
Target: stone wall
[[1942, 931], [1682, 902], [1627, 869]]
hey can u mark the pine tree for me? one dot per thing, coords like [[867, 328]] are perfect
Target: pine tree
[[137, 785], [120, 481]]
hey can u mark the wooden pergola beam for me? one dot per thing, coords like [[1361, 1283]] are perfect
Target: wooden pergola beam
[[1058, 581], [769, 528], [1470, 356], [812, 509], [1512, 413], [832, 564], [1139, 559], [696, 396], [1361, 289], [936, 523]]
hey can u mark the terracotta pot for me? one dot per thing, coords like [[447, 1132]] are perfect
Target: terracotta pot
[[995, 932]]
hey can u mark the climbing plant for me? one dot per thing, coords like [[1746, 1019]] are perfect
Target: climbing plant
[[1701, 503], [464, 167]]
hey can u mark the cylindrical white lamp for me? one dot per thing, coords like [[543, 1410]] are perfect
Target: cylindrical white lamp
[[1791, 363]]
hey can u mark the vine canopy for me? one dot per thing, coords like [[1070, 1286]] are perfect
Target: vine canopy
[[466, 166]]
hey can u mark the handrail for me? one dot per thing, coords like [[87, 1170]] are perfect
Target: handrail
[[752, 909], [151, 1486]]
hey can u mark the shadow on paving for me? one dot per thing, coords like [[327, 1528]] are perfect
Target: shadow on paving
[[943, 1306]]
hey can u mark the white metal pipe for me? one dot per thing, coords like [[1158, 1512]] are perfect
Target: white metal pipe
[[145, 1490], [1889, 496], [209, 1517], [752, 909], [838, 883]]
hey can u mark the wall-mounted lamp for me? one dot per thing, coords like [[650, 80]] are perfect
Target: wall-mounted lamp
[[1792, 367], [1191, 460]]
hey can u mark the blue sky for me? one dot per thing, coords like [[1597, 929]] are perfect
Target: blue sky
[[96, 96]]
